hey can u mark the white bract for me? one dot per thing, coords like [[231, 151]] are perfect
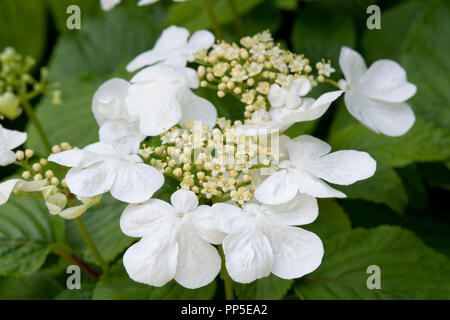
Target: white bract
[[103, 167], [173, 48], [16, 185], [175, 241], [261, 239], [109, 4], [110, 111], [160, 97], [281, 118], [290, 98], [376, 96], [309, 162], [9, 140]]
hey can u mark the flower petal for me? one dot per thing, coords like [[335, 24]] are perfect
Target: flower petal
[[168, 47], [11, 139], [202, 39], [198, 261], [76, 158], [7, 157], [309, 184], [392, 119], [109, 101], [386, 80], [305, 148], [205, 221], [344, 167], [139, 220], [352, 65], [122, 133], [196, 108], [7, 187], [278, 188], [91, 181], [248, 255], [303, 209], [135, 182], [296, 252], [184, 200], [153, 260], [109, 4]]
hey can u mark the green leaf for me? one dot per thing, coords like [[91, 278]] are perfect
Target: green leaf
[[191, 14], [268, 288], [331, 221], [322, 38], [27, 233], [117, 285], [72, 121], [396, 23], [423, 142], [102, 223], [426, 61], [58, 9], [286, 4], [385, 186], [409, 269], [106, 42], [85, 293], [23, 26]]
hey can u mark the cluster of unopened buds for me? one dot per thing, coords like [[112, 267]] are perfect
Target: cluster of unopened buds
[[243, 185]]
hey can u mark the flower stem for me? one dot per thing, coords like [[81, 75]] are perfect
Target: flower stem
[[237, 17], [32, 116], [212, 18], [334, 83], [229, 295], [83, 265], [90, 243]]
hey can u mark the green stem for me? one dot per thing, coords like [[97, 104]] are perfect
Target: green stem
[[334, 83], [90, 243], [212, 18], [83, 265], [229, 295], [32, 116], [237, 17]]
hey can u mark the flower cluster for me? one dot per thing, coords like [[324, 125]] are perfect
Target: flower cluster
[[243, 185]]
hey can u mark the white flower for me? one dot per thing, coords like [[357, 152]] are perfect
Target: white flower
[[281, 118], [75, 212], [290, 98], [160, 97], [309, 162], [261, 239], [376, 96], [15, 185], [103, 167], [116, 125], [173, 48], [175, 241], [109, 4], [9, 139]]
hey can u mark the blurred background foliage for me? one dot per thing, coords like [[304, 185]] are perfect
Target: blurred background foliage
[[399, 219]]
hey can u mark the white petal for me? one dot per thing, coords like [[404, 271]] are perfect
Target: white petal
[[305, 148], [248, 255], [392, 119], [184, 200], [277, 96], [201, 39], [135, 182], [139, 220], [122, 133], [344, 167], [303, 209], [91, 181], [76, 158], [206, 224], [310, 184], [197, 108], [301, 86], [153, 260], [169, 46], [198, 261], [146, 2], [229, 218], [108, 4], [7, 157], [386, 80], [352, 65], [296, 252], [7, 187], [108, 102], [279, 188], [11, 139]]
